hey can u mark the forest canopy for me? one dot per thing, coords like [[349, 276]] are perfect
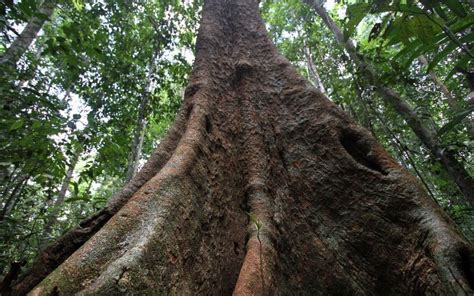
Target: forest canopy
[[88, 88]]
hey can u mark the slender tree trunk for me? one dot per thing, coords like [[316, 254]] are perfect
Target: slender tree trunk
[[452, 102], [426, 135], [28, 35], [56, 207], [262, 187], [137, 142], [12, 180], [470, 97], [139, 133], [312, 72], [13, 197]]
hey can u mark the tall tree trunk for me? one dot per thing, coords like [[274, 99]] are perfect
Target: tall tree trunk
[[11, 181], [262, 187], [312, 72], [56, 207], [139, 132], [137, 142], [426, 134], [13, 197], [28, 35], [452, 102]]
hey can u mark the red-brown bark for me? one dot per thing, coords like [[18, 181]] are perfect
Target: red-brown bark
[[265, 187]]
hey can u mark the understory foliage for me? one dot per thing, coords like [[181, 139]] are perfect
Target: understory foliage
[[100, 74]]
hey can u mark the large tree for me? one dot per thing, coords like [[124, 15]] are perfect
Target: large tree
[[262, 186]]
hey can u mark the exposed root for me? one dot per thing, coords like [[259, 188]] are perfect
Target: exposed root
[[255, 277], [54, 254]]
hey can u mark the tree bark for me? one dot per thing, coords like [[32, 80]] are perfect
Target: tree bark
[[264, 187], [137, 143], [28, 35], [426, 134]]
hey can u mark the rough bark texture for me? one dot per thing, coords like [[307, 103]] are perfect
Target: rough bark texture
[[271, 190], [425, 134], [28, 35]]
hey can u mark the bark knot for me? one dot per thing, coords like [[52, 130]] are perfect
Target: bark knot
[[360, 149], [242, 68]]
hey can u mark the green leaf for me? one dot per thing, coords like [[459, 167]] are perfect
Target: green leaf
[[10, 220], [17, 124], [26, 7], [449, 48], [455, 7], [78, 4], [439, 10], [356, 13], [416, 48], [400, 8], [461, 63], [76, 188], [458, 117], [421, 48], [36, 125], [254, 220], [422, 28], [253, 217], [393, 33], [462, 24]]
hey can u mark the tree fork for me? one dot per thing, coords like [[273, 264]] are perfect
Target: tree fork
[[336, 214]]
